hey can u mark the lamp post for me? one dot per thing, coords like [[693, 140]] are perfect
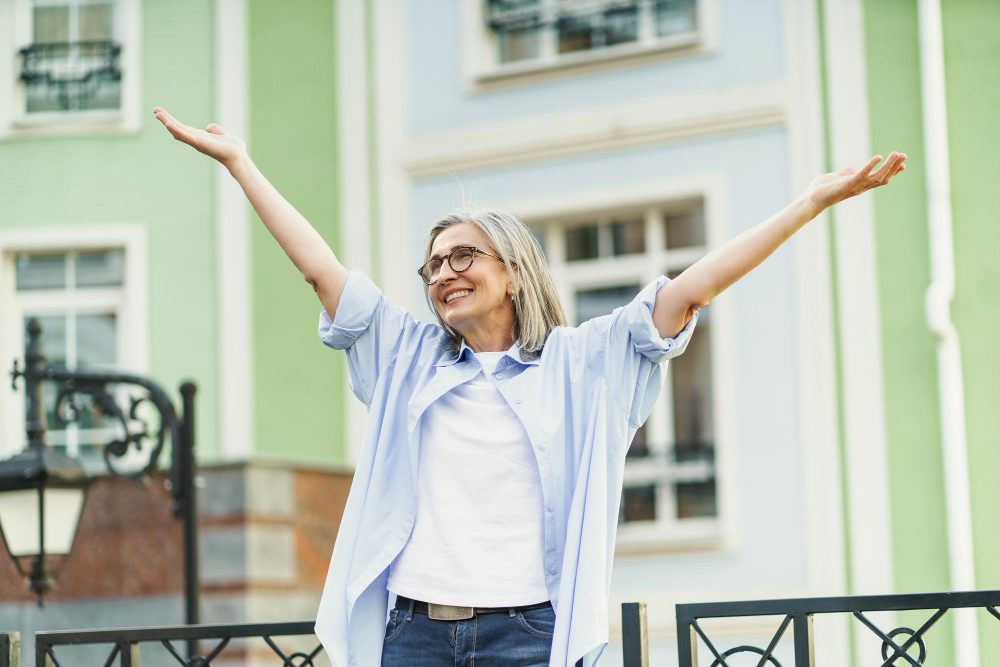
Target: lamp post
[[42, 492]]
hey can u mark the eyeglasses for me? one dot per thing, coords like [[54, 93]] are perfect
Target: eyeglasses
[[459, 260]]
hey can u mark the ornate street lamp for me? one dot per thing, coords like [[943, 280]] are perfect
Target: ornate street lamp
[[42, 492]]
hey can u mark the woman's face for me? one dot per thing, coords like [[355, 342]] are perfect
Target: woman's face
[[477, 296]]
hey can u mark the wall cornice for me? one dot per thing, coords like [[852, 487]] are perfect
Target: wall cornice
[[558, 135]]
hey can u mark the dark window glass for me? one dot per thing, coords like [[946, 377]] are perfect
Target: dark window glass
[[581, 243], [683, 230], [694, 438], [638, 504], [628, 238], [593, 303]]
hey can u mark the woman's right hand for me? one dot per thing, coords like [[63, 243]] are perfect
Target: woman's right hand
[[213, 141]]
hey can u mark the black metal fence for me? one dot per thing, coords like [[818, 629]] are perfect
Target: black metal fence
[[898, 644], [124, 643]]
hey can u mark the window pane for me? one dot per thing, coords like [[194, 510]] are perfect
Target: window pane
[[517, 24], [100, 269], [621, 26], [576, 33], [96, 23], [581, 243], [519, 45], [40, 271], [696, 500], [539, 236], [674, 17], [601, 301], [683, 230], [96, 340], [51, 25], [694, 438], [638, 504], [628, 237]]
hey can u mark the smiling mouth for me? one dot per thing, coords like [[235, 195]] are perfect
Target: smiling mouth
[[455, 296]]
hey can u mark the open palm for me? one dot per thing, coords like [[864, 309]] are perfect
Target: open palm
[[213, 141], [828, 189]]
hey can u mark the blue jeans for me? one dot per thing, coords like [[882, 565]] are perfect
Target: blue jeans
[[509, 638]]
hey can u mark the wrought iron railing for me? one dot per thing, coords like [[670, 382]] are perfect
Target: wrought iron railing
[[897, 643], [124, 643], [74, 71], [797, 613]]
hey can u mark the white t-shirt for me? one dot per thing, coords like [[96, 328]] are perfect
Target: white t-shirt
[[478, 536]]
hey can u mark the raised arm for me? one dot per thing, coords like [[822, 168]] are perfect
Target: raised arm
[[311, 255], [677, 301]]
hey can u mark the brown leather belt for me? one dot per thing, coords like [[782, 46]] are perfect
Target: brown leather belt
[[444, 612]]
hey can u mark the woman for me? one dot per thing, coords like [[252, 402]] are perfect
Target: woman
[[487, 490]]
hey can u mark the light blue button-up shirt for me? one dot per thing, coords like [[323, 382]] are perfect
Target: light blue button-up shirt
[[580, 402]]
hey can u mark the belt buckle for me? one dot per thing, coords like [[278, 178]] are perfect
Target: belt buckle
[[446, 612]]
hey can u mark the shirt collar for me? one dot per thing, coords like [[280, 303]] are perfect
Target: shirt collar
[[514, 353]]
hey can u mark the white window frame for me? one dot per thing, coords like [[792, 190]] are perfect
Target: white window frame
[[483, 69], [552, 217], [128, 303], [14, 119]]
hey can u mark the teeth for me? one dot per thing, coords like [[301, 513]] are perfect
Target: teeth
[[455, 295]]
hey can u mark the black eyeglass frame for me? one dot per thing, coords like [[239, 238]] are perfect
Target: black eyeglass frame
[[444, 258]]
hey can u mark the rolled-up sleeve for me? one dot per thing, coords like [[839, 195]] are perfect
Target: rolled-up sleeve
[[368, 326], [634, 352]]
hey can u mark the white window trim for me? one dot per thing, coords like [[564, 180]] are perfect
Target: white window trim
[[721, 533], [483, 71], [133, 334], [15, 122]]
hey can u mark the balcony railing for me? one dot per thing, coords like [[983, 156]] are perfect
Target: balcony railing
[[71, 75]]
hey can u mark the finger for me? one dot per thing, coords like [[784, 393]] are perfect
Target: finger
[[214, 129], [178, 123], [865, 170], [182, 133], [896, 169], [886, 169]]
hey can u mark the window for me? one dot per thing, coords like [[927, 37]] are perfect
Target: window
[[601, 262], [87, 288], [72, 61], [76, 297], [543, 31], [69, 66]]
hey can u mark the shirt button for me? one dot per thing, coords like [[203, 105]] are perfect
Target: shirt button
[[541, 447], [517, 400], [498, 376], [551, 507], [552, 570]]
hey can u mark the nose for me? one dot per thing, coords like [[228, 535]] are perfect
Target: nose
[[446, 274]]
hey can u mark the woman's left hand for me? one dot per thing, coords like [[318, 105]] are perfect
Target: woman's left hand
[[828, 189]]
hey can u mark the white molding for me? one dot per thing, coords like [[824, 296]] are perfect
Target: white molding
[[353, 186], [564, 133], [724, 533], [815, 342], [391, 116], [870, 520], [482, 72], [134, 337], [15, 123], [233, 275]]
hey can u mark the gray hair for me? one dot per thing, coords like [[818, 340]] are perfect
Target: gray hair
[[537, 310]]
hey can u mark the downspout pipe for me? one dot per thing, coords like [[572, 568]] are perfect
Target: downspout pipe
[[951, 395]]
